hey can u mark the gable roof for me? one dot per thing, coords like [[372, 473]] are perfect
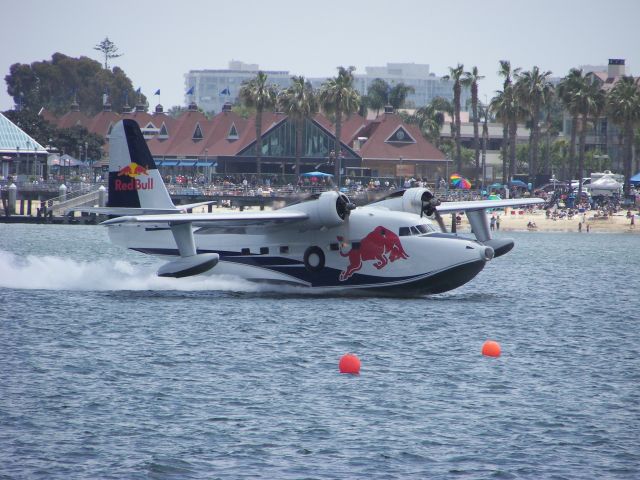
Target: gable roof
[[382, 128]]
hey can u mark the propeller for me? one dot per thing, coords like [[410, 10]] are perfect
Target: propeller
[[344, 206], [429, 208]]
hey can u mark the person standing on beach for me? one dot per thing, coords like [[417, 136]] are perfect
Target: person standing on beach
[[492, 223], [498, 223], [580, 226]]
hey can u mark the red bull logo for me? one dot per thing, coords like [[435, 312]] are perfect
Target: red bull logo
[[381, 245], [133, 171]]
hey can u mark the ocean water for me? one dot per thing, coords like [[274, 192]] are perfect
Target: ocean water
[[107, 371]]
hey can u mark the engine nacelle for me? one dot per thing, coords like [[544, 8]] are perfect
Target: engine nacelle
[[412, 200], [328, 210]]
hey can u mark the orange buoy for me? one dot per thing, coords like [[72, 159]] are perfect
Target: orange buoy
[[491, 349], [349, 363]]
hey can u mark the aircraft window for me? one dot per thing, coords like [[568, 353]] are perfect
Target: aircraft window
[[405, 231], [284, 249], [415, 231], [334, 246], [423, 228], [355, 245], [264, 250], [246, 251]]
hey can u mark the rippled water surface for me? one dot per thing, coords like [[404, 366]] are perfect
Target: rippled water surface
[[110, 372]]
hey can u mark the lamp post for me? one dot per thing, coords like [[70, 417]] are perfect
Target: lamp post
[[18, 163]]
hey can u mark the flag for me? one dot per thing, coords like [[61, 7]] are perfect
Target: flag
[[157, 92], [225, 91]]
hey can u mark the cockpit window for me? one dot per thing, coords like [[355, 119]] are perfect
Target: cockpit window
[[416, 230]]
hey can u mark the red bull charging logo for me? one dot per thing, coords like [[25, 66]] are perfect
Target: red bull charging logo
[[381, 245], [133, 171]]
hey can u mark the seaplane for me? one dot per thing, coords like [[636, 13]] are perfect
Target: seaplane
[[398, 244]]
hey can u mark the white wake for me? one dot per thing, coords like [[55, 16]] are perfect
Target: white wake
[[58, 273]]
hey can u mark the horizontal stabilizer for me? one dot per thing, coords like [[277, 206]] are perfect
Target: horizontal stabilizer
[[188, 266], [120, 211]]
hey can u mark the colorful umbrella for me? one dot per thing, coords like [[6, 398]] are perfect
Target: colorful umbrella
[[460, 182]]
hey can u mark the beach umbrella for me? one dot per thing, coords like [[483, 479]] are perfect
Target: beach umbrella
[[496, 186], [460, 182], [635, 180]]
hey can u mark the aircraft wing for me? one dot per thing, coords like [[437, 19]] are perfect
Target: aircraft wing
[[484, 204], [221, 220]]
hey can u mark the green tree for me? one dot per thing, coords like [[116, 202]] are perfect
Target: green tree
[[257, 93], [54, 84], [470, 80], [430, 119], [378, 94], [500, 107], [534, 91], [109, 50], [299, 103], [623, 106], [589, 101], [398, 95], [337, 98], [456, 75], [514, 110], [568, 87]]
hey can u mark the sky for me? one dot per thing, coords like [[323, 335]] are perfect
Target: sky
[[164, 39]]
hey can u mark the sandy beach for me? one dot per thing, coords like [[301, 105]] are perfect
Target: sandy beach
[[516, 220]]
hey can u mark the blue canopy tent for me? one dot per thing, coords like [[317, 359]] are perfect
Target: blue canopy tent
[[635, 180], [517, 183], [316, 174]]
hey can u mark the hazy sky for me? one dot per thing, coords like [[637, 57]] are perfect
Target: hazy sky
[[162, 40]]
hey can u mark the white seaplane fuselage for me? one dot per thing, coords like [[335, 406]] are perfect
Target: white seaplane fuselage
[[373, 248]]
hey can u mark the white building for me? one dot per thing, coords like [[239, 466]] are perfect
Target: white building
[[213, 88]]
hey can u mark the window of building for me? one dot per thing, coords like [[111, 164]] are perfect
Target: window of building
[[233, 132], [197, 134], [400, 135], [163, 133]]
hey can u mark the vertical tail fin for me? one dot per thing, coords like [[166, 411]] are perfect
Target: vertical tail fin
[[134, 179]]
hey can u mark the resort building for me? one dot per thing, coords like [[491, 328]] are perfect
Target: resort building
[[211, 89]]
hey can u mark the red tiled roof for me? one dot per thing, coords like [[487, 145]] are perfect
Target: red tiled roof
[[376, 146]]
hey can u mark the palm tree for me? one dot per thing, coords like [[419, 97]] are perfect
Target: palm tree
[[298, 102], [338, 97], [513, 110], [567, 89], [623, 104], [398, 95], [256, 93], [471, 80], [378, 94], [588, 100], [455, 75], [534, 90], [499, 105], [430, 119]]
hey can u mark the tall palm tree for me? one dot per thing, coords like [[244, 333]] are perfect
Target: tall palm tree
[[623, 104], [338, 97], [258, 94], [534, 90], [514, 111], [471, 80], [567, 89], [398, 95], [588, 100], [298, 102], [499, 105], [455, 75]]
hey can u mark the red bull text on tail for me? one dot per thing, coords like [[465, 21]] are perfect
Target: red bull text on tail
[[133, 170]]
